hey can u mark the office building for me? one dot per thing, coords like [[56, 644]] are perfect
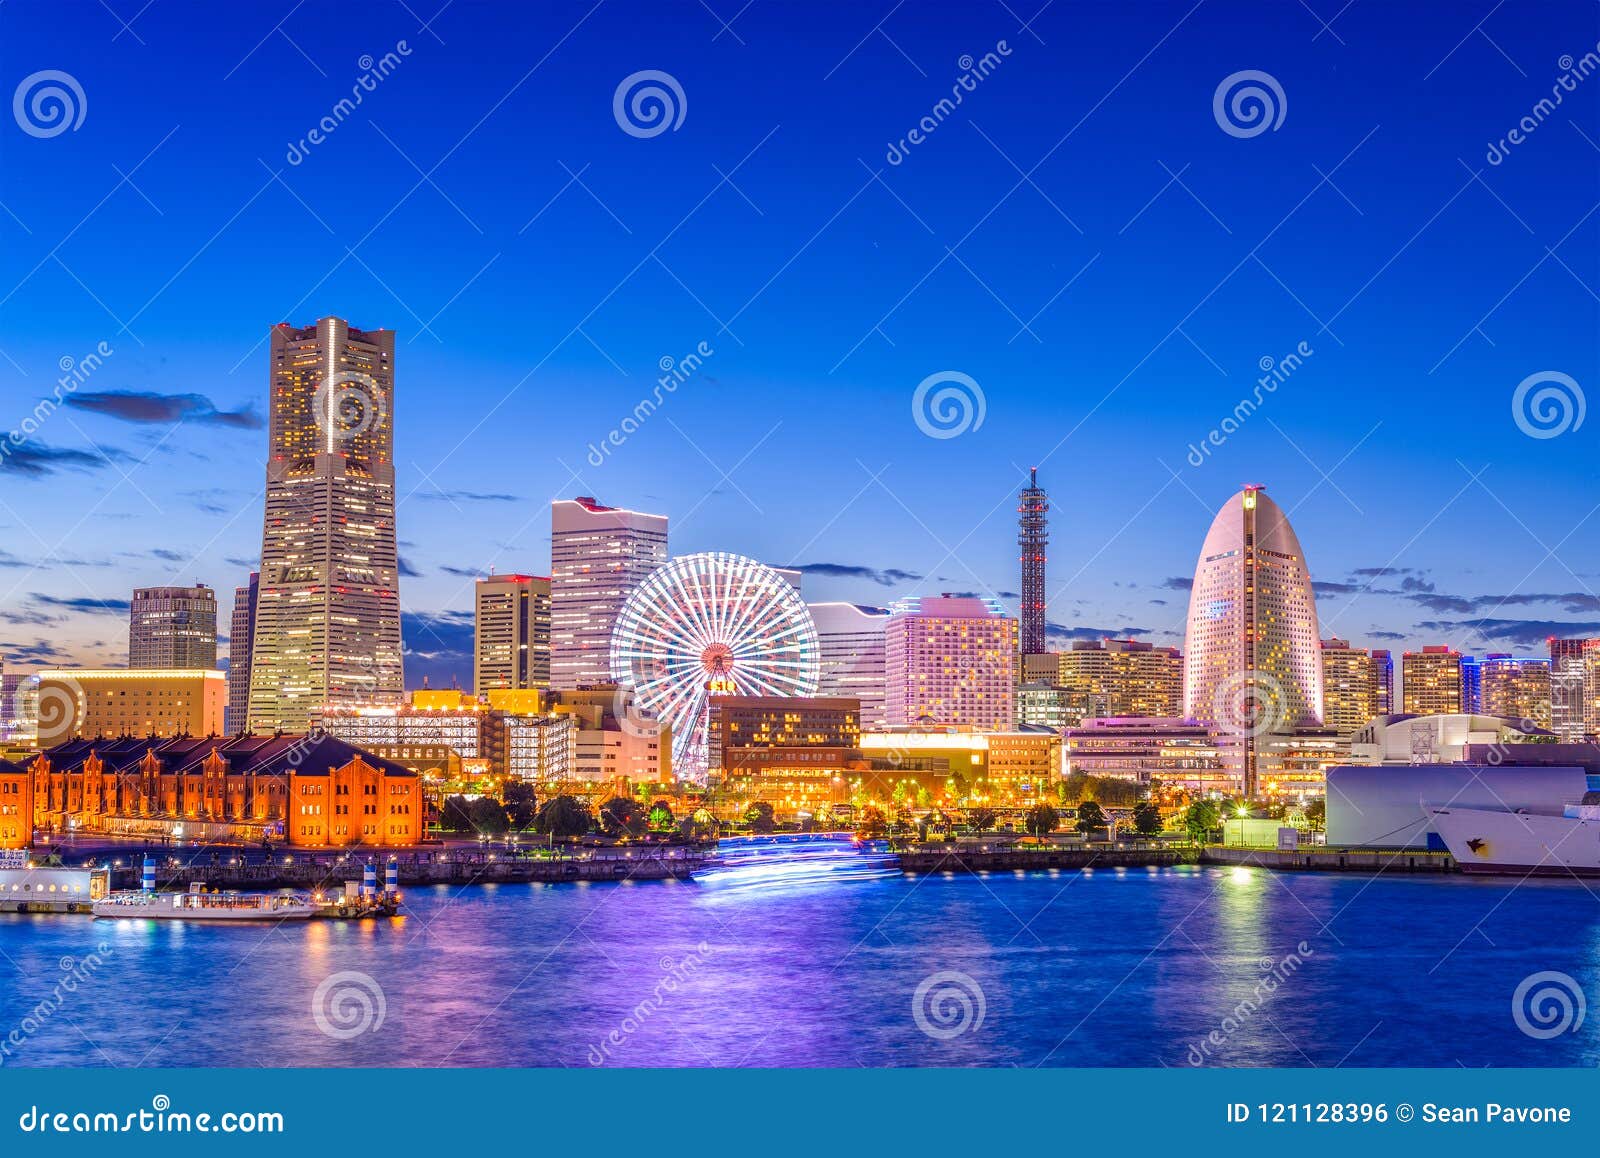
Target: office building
[[1573, 666], [328, 608], [854, 651], [744, 733], [240, 642], [1176, 752], [1514, 687], [1383, 680], [951, 661], [173, 627], [511, 633], [598, 556], [1119, 677]]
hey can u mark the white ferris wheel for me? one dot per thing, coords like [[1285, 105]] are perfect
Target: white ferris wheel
[[711, 624]]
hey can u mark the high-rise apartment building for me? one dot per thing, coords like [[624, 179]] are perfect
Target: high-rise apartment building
[[1252, 663], [110, 702], [951, 661], [511, 633], [1572, 699], [1033, 536], [598, 556], [1350, 692], [1516, 688], [1121, 677], [1383, 680], [1430, 682], [241, 638], [173, 627], [328, 609], [854, 654]]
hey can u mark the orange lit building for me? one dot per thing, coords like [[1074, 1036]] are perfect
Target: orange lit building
[[16, 806], [307, 790]]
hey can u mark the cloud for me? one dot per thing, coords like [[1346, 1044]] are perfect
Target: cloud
[[1060, 631], [84, 604], [39, 653], [169, 556], [466, 497], [438, 647], [463, 572], [886, 578], [407, 571], [36, 460], [1520, 632], [1386, 635], [1178, 583], [1572, 602], [235, 561], [147, 408]]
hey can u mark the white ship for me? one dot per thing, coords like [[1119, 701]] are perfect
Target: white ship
[[1545, 843], [198, 905]]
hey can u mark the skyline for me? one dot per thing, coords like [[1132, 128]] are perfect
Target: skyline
[[150, 474]]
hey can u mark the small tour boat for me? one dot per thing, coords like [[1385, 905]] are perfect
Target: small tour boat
[[199, 905]]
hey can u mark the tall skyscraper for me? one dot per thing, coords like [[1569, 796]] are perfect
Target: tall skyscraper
[[1349, 687], [511, 633], [1121, 677], [598, 556], [173, 627], [241, 639], [1033, 535], [328, 609], [1430, 682], [1572, 715], [951, 661], [1252, 663], [854, 654]]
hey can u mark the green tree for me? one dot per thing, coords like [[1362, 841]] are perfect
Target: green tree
[[699, 826], [1147, 818], [760, 818], [623, 816], [1041, 819], [563, 816], [981, 819], [488, 816], [1090, 816], [923, 798], [521, 805], [456, 815], [1201, 820], [871, 824], [661, 816], [1317, 814]]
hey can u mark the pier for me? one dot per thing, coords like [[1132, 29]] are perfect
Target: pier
[[1358, 860], [958, 859], [309, 872]]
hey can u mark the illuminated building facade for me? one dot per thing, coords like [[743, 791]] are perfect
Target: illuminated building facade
[[511, 633], [16, 805], [1383, 680], [241, 639], [328, 609], [126, 702], [1045, 704], [746, 732], [1350, 693], [1252, 663], [1574, 688], [1515, 688], [1430, 682], [307, 790], [613, 738], [598, 556], [1122, 677], [1177, 752], [173, 627], [951, 661], [1004, 768], [854, 649]]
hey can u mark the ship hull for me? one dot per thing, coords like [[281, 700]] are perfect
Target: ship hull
[[160, 908], [1521, 843]]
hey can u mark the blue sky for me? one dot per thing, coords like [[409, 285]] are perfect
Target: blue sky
[[1080, 237]]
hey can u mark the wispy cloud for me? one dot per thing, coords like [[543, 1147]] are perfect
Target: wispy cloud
[[82, 603], [148, 408], [889, 577], [37, 460]]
